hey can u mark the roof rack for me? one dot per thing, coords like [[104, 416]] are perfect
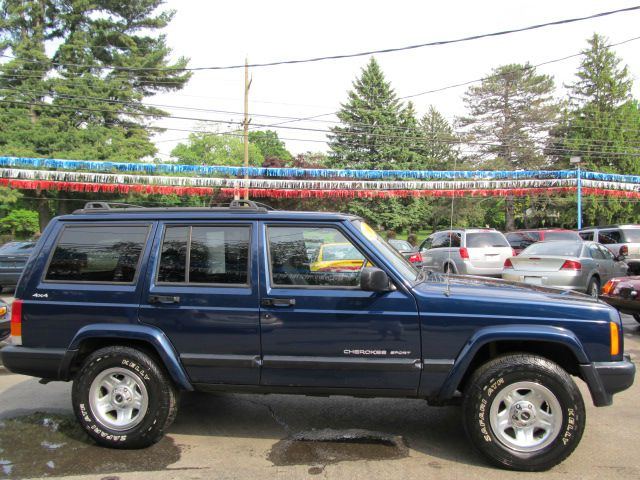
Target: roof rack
[[112, 207]]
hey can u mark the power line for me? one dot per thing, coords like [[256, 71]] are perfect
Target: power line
[[343, 56], [355, 143]]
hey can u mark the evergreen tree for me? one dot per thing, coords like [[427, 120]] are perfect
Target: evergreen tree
[[75, 78], [77, 75], [375, 131], [437, 142], [601, 124], [510, 113]]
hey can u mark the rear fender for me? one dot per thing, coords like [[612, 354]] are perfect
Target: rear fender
[[152, 336], [484, 336]]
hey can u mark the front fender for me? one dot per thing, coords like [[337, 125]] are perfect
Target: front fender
[[533, 333], [143, 333]]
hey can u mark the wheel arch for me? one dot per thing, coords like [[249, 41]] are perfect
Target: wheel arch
[[557, 344], [144, 337]]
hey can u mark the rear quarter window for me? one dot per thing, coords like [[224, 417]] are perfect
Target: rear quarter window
[[97, 254]]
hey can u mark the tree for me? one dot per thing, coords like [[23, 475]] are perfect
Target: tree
[[76, 77], [207, 148], [270, 145], [437, 142], [20, 223], [375, 127], [511, 112], [601, 124]]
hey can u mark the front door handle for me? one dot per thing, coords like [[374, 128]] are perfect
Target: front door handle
[[278, 302], [163, 299]]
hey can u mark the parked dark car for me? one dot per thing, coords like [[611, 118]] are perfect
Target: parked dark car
[[407, 250], [624, 294], [521, 239], [5, 326], [135, 304], [13, 258]]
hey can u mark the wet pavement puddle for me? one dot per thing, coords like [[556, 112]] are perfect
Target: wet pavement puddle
[[47, 445], [318, 448]]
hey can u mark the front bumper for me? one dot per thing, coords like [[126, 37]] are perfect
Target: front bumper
[[607, 378]]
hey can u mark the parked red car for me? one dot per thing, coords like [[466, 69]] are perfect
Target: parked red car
[[624, 294], [521, 239]]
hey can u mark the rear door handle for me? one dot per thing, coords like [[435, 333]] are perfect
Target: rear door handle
[[163, 299], [278, 302]]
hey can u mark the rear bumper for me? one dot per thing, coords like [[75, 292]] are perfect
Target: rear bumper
[[608, 378], [36, 362]]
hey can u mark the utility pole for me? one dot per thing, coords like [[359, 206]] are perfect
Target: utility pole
[[247, 84], [576, 161]]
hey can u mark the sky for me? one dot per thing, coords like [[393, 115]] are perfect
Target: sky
[[225, 33]]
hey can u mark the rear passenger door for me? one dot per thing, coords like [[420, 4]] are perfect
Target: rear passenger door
[[203, 293]]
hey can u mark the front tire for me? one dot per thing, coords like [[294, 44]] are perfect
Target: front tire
[[523, 412], [636, 317], [123, 398]]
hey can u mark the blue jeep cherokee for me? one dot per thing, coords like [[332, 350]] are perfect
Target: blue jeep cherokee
[[136, 304]]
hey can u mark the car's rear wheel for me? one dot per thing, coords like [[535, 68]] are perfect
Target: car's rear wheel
[[123, 398], [593, 288], [523, 412]]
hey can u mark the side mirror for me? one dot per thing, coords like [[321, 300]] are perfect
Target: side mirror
[[372, 279]]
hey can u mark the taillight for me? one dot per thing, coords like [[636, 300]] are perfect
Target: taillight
[[16, 322], [571, 265], [624, 250], [507, 263], [615, 338], [464, 253], [417, 258], [610, 286]]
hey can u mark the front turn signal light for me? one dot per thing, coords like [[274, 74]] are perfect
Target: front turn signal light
[[615, 339]]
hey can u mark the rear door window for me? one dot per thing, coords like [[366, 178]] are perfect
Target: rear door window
[[205, 254], [98, 254]]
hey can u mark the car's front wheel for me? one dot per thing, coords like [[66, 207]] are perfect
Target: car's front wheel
[[523, 412], [123, 398]]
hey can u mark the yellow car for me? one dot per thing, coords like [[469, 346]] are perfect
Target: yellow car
[[338, 257]]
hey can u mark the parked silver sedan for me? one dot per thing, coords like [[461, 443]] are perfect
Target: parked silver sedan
[[579, 266]]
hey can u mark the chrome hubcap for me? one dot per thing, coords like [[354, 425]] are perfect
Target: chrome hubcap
[[118, 399], [526, 416]]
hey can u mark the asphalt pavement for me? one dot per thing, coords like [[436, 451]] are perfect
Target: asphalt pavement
[[233, 436]]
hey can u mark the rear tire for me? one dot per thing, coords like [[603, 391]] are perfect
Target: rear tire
[[123, 398], [593, 288], [523, 412]]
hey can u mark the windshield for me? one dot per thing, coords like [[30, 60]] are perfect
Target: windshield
[[486, 239], [16, 248], [562, 236], [402, 265], [340, 251], [564, 249], [401, 244]]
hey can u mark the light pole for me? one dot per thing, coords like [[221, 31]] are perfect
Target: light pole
[[577, 161]]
